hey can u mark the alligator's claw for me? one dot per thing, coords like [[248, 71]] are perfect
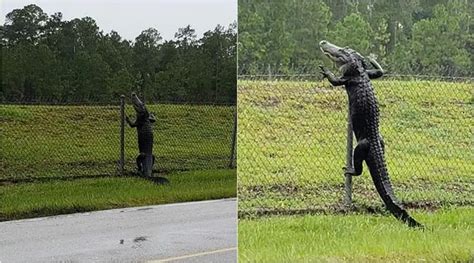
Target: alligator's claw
[[324, 71], [152, 117], [349, 171]]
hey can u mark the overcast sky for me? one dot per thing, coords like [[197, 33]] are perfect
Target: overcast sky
[[130, 17]]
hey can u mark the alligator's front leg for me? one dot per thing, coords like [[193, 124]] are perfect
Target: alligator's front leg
[[335, 81], [152, 117], [377, 72], [132, 124]]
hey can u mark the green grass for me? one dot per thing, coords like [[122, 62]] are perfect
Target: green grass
[[70, 141], [80, 195], [291, 144], [62, 159], [359, 238], [291, 148]]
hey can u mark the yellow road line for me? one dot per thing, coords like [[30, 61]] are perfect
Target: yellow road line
[[193, 255]]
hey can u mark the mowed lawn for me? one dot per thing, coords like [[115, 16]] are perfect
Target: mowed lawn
[[70, 141], [292, 144], [63, 159], [359, 238], [70, 196]]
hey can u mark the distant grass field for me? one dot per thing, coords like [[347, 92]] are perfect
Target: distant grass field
[[68, 141], [358, 238], [291, 145], [63, 159]]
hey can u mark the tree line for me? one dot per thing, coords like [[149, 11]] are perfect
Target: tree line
[[432, 37], [48, 59]]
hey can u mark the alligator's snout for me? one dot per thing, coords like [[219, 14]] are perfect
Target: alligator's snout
[[135, 99], [137, 103], [332, 51], [329, 48]]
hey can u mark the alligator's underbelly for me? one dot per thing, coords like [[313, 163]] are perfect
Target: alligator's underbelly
[[364, 111], [145, 140]]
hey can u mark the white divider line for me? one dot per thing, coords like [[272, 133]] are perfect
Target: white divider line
[[194, 255]]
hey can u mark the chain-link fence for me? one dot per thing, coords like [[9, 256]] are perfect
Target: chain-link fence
[[42, 142], [292, 135], [306, 71]]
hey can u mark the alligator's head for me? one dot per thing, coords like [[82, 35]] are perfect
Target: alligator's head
[[349, 61], [140, 109], [138, 105]]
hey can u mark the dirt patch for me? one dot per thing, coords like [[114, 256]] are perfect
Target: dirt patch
[[293, 199], [13, 181], [341, 209], [290, 189], [157, 179]]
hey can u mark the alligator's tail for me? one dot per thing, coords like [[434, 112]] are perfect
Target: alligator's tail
[[378, 171], [148, 165]]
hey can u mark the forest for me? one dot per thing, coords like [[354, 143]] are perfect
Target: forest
[[415, 37], [48, 59]]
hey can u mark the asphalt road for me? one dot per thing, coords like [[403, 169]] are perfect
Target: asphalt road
[[186, 232]]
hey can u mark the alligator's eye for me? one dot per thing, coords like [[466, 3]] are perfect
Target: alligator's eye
[[342, 52]]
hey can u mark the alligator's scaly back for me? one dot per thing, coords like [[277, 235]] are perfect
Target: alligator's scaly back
[[365, 121]]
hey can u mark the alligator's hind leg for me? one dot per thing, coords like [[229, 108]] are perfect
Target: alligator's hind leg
[[148, 165], [360, 154], [140, 163]]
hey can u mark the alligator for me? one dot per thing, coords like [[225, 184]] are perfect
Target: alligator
[[364, 115], [143, 123]]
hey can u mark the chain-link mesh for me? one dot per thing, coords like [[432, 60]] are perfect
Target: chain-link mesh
[[41, 142], [279, 71], [292, 143]]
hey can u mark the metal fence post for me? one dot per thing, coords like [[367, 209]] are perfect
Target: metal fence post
[[122, 135], [232, 160], [269, 70], [348, 177]]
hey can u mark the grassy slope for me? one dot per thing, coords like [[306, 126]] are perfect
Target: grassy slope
[[68, 141], [61, 197], [291, 144], [57, 145], [358, 238], [291, 150]]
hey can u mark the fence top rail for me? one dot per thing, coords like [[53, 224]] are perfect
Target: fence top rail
[[318, 77]]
